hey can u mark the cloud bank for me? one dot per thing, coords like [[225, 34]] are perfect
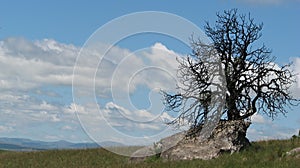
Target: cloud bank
[[36, 82], [36, 92]]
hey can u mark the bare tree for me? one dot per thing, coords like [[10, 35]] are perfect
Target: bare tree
[[247, 74]]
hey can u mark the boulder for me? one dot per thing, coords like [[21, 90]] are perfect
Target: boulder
[[157, 148], [143, 153], [295, 151], [228, 136]]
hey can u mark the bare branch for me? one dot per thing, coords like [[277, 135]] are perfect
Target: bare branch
[[252, 79]]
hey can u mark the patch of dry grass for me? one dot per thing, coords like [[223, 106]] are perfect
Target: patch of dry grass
[[260, 154]]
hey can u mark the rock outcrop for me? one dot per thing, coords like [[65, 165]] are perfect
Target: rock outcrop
[[159, 147], [228, 136], [294, 152]]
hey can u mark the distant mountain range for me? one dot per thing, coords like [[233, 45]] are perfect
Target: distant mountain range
[[20, 144]]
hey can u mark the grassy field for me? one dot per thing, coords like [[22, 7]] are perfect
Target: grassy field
[[260, 154]]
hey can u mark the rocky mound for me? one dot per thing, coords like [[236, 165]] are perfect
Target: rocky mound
[[228, 136]]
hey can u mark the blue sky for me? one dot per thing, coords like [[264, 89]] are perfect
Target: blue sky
[[40, 42]]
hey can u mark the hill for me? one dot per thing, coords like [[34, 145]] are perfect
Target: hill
[[260, 154], [20, 144]]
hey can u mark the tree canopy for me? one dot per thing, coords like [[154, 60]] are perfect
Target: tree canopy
[[248, 75]]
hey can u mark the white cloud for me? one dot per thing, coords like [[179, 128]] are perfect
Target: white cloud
[[118, 116], [112, 122], [295, 89], [9, 97], [154, 67], [5, 129], [166, 117], [26, 67], [75, 108], [44, 116], [258, 134], [44, 106], [149, 126], [53, 137], [67, 127], [257, 118], [270, 131]]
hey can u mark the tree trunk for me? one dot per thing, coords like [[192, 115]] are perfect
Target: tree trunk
[[232, 113]]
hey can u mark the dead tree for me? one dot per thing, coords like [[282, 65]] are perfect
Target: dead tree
[[252, 80]]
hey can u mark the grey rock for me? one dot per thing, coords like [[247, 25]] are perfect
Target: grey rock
[[143, 153], [157, 148], [169, 142], [294, 151], [228, 136]]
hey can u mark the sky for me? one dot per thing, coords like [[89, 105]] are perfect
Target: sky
[[68, 73]]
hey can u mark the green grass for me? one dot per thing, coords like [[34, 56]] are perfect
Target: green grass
[[260, 154]]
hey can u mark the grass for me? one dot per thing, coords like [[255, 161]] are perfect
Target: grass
[[261, 154]]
